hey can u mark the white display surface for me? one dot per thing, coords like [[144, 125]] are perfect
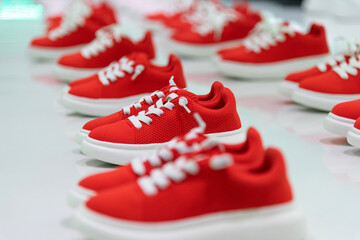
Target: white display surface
[[40, 160]]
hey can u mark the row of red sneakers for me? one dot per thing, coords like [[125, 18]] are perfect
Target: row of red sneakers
[[192, 188]]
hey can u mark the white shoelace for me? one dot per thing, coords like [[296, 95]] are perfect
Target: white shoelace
[[271, 34], [105, 38], [156, 110], [119, 69], [166, 154], [74, 18], [352, 49], [177, 171], [213, 18], [178, 6], [346, 69]]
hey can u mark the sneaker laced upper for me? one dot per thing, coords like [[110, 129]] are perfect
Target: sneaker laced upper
[[350, 68], [214, 19], [105, 38], [352, 49], [177, 171], [268, 33], [157, 109], [74, 18], [149, 99], [119, 69], [182, 145]]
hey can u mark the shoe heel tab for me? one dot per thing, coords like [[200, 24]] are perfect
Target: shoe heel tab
[[317, 29]]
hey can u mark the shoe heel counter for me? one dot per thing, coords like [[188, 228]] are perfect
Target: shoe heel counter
[[230, 101]]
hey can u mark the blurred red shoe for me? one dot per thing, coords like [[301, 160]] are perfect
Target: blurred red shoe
[[324, 91], [274, 52], [221, 26], [77, 28], [53, 22], [203, 197], [121, 84], [291, 81], [111, 44], [353, 135], [250, 152]]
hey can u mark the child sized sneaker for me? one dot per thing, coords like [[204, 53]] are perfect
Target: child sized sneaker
[[143, 104], [221, 26], [342, 117], [77, 28], [291, 81], [121, 84], [199, 198], [353, 135], [111, 43], [250, 152], [170, 117], [324, 91], [274, 52]]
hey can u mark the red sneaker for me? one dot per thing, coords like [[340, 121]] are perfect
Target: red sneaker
[[121, 84], [110, 45], [324, 91], [220, 26], [200, 198], [77, 28], [171, 116], [353, 135], [292, 80], [342, 117], [143, 104], [273, 53], [195, 142]]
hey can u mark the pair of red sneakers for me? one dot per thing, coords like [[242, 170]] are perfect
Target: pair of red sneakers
[[327, 84], [192, 188], [274, 49], [73, 30], [344, 120]]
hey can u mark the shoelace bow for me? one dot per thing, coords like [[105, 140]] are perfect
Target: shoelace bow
[[166, 154], [177, 171], [212, 18], [119, 69], [105, 38], [74, 18], [350, 68], [157, 109], [268, 33], [353, 48]]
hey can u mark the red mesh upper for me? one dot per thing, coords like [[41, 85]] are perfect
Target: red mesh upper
[[332, 83], [357, 123], [209, 191], [301, 75]]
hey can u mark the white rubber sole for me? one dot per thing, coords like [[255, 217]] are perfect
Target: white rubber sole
[[338, 125], [269, 70], [121, 154], [279, 222], [97, 107], [287, 88], [353, 137], [82, 134], [78, 196], [47, 53], [321, 101], [69, 74], [199, 50]]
